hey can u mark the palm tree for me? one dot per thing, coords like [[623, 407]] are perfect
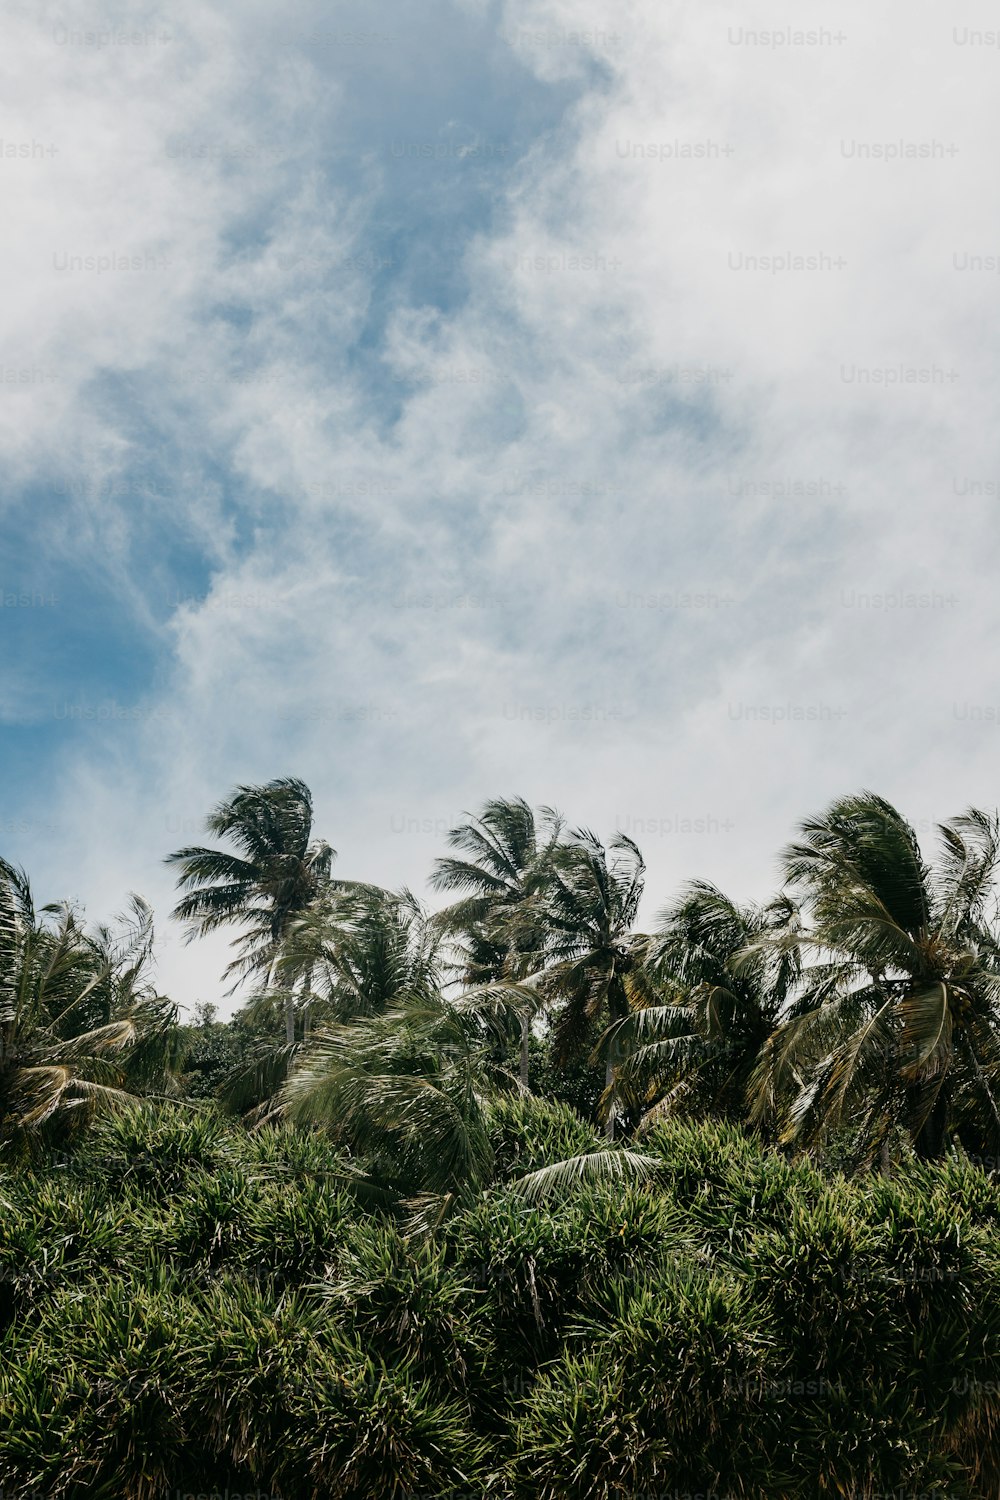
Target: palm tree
[[499, 917], [277, 874], [725, 984], [405, 1090], [899, 1017], [81, 1026], [594, 967], [355, 952]]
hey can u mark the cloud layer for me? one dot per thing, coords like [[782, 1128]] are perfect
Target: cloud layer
[[480, 399]]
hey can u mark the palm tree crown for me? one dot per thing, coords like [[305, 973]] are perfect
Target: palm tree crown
[[278, 872], [724, 983], [898, 1017], [595, 968], [499, 917], [81, 1024], [276, 875]]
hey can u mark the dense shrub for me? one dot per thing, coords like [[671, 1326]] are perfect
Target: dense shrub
[[529, 1133], [668, 1401], [399, 1296], [155, 1149], [55, 1233], [94, 1393], [190, 1307]]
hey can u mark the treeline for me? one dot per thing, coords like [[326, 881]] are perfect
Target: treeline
[[856, 1015], [509, 1198]]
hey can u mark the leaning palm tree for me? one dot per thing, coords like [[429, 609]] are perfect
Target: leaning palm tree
[[898, 1019], [358, 951], [276, 875], [724, 985], [405, 1091], [594, 961], [82, 1028], [498, 918]]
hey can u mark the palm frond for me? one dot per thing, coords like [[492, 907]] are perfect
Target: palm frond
[[592, 1168]]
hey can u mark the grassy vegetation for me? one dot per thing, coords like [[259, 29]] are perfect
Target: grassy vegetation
[[510, 1200], [187, 1306]]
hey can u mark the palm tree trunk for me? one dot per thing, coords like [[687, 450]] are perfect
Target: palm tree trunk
[[618, 1009], [609, 1075], [929, 1142], [525, 1037], [282, 983]]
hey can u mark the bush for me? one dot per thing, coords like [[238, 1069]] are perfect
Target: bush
[[95, 1399], [363, 1429], [541, 1270], [669, 1400], [295, 1231], [529, 1133], [398, 1295], [55, 1233], [155, 1149], [189, 1307]]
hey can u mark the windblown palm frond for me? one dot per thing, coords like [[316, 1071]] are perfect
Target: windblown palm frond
[[596, 972], [357, 951], [498, 919], [589, 1170], [277, 874], [81, 1025], [406, 1090], [724, 972], [900, 1016]]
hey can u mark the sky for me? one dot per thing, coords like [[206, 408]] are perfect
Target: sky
[[448, 399]]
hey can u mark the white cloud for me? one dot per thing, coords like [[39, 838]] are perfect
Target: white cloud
[[488, 594]]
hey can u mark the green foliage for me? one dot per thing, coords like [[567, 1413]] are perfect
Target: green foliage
[[667, 1401], [400, 1296], [577, 1081], [55, 1233], [541, 1268], [361, 1429], [191, 1306], [400, 1272], [155, 1149], [213, 1051], [94, 1394], [82, 1028], [527, 1133], [896, 1021], [278, 871]]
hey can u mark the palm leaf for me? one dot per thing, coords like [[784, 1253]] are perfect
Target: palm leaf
[[592, 1168]]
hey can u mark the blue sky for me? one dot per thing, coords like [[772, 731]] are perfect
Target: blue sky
[[462, 423]]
